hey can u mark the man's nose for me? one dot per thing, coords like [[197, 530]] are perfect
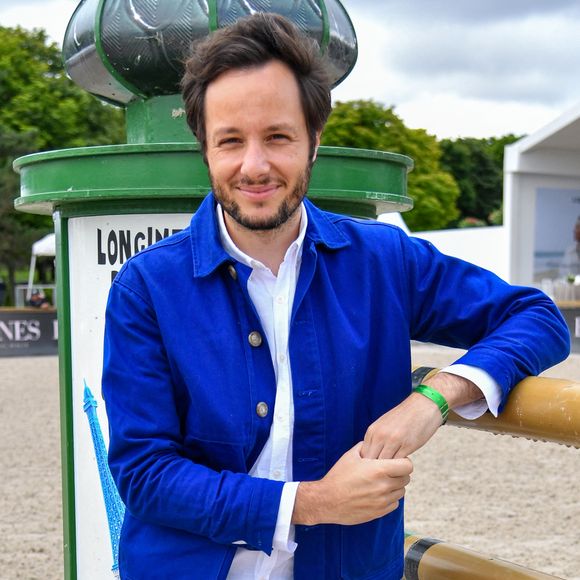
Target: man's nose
[[255, 163]]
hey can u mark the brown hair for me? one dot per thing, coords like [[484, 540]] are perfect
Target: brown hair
[[254, 41]]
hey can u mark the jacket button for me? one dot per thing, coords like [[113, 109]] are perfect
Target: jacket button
[[262, 409], [255, 338], [232, 272]]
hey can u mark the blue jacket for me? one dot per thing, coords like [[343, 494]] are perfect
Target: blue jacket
[[182, 380]]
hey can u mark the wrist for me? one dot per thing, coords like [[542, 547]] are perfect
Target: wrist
[[436, 397], [457, 390], [309, 504]]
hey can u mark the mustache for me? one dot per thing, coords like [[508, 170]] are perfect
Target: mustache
[[262, 181]]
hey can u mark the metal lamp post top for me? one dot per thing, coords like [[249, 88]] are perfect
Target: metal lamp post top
[[128, 50]]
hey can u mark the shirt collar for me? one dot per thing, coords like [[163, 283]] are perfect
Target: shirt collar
[[208, 252], [235, 252]]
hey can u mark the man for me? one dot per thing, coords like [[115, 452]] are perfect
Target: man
[[262, 427]]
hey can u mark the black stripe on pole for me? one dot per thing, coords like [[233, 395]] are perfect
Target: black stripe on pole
[[414, 555], [419, 374]]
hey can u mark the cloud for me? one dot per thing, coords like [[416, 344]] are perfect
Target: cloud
[[528, 56], [51, 15], [462, 11], [504, 61], [449, 116]]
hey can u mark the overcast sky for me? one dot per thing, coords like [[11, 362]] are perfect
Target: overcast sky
[[453, 67]]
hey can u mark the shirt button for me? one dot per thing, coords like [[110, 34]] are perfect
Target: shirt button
[[262, 409], [255, 338], [282, 358], [232, 272], [276, 473], [281, 299]]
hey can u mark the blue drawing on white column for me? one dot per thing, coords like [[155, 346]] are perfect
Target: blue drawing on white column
[[113, 503]]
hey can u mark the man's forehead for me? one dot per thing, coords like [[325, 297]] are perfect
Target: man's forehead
[[277, 72]]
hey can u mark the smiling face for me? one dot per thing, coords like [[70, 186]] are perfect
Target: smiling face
[[258, 151]]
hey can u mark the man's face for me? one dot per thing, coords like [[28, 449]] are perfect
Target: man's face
[[257, 145]]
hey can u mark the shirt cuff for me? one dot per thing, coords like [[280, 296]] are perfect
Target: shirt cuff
[[284, 532], [485, 383]]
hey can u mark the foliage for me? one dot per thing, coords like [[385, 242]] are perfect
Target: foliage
[[470, 222], [40, 109], [495, 218], [370, 125], [477, 165], [36, 96]]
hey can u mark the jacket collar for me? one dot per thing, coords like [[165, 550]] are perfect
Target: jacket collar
[[208, 252]]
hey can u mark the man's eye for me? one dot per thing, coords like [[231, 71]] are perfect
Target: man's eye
[[228, 141], [279, 137]]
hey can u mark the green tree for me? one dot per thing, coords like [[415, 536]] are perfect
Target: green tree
[[370, 125], [36, 95], [40, 109], [477, 165], [19, 231], [497, 146]]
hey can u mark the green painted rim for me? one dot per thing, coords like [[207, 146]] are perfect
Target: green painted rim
[[213, 15], [370, 207], [323, 151], [105, 59], [149, 172], [128, 207], [325, 27], [66, 402]]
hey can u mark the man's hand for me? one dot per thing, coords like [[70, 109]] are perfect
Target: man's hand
[[403, 429], [354, 491], [408, 426]]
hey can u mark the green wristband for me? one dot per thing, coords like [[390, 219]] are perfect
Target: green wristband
[[436, 397]]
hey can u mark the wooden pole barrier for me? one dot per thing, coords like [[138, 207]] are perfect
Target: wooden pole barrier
[[429, 559], [538, 408]]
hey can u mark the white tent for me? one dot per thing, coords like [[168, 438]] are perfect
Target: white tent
[[44, 247], [542, 196]]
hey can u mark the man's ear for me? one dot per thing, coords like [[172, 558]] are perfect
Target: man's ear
[[316, 145]]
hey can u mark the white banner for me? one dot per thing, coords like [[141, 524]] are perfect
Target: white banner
[[98, 247]]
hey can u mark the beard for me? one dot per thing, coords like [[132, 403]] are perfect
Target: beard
[[285, 211]]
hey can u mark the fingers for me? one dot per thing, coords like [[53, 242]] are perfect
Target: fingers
[[377, 449], [394, 467], [391, 452], [382, 442], [402, 467]]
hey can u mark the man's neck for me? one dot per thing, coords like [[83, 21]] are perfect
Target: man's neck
[[268, 246]]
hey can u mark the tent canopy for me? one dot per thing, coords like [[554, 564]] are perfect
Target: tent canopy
[[45, 246]]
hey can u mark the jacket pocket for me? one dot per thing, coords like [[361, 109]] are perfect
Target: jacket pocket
[[374, 550]]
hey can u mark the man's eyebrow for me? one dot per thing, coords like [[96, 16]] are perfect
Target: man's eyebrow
[[276, 128], [281, 127], [225, 131]]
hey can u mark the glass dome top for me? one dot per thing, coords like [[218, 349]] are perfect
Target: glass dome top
[[123, 50]]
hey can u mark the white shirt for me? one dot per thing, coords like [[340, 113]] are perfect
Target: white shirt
[[273, 297]]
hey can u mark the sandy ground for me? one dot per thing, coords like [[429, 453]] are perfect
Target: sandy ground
[[510, 498]]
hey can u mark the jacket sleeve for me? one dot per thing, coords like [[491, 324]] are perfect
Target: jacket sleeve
[[156, 481], [510, 331]]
